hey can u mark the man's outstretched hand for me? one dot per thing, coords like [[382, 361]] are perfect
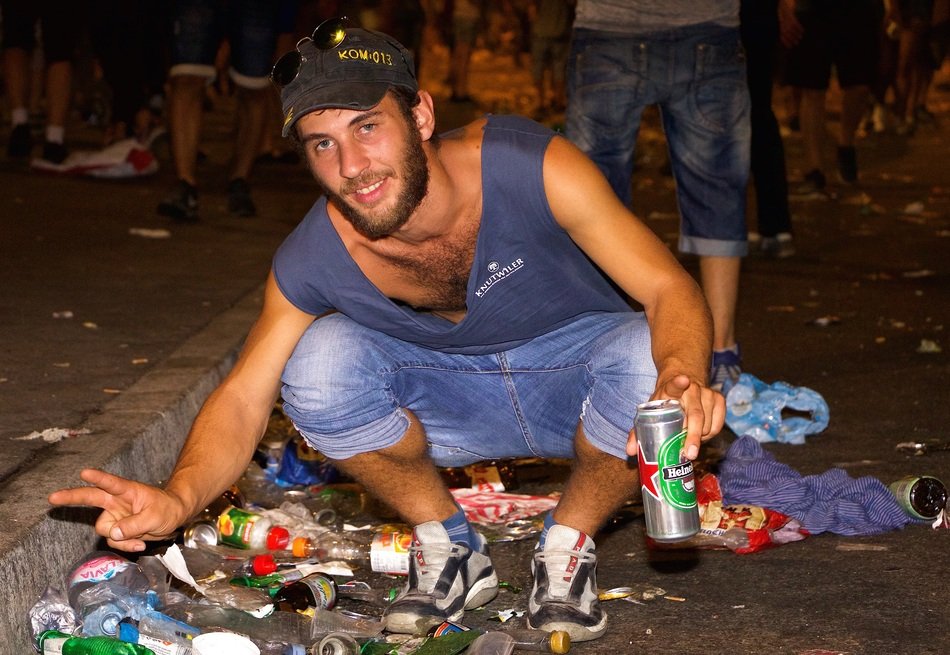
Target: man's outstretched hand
[[132, 512], [704, 410]]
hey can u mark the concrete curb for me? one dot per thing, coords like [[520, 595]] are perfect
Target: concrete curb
[[137, 435]]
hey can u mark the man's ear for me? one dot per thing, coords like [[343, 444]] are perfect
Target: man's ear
[[424, 114]]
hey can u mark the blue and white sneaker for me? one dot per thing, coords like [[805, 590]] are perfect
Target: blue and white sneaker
[[564, 595], [445, 579], [726, 368]]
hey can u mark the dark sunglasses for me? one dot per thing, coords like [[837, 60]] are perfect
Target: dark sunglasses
[[328, 35]]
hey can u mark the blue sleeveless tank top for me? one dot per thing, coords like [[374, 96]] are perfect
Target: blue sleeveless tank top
[[528, 277]]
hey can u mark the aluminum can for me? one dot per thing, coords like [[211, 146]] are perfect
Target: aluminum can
[[922, 497], [666, 476]]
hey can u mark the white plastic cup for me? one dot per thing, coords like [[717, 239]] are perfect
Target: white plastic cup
[[223, 643]]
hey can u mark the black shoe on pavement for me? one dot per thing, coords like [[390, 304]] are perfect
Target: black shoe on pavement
[[239, 198], [181, 204], [812, 183], [564, 594], [20, 143], [848, 164], [445, 579], [54, 153]]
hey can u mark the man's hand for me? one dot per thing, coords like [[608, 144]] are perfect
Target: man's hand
[[132, 512], [704, 410]]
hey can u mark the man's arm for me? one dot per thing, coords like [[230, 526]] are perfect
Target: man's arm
[[219, 445], [633, 257]]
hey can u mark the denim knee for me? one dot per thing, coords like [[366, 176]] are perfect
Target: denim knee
[[336, 389], [624, 376]]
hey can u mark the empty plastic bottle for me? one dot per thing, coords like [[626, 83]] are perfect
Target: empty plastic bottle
[[361, 591], [492, 643], [327, 621], [99, 566], [756, 409], [52, 642], [281, 632]]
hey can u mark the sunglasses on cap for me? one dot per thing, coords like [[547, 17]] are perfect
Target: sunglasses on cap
[[327, 36]]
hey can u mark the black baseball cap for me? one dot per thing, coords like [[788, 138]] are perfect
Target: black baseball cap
[[352, 75]]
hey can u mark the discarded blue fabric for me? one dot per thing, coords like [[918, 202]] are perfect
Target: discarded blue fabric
[[828, 502]]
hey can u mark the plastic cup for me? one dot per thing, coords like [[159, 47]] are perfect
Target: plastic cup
[[223, 643]]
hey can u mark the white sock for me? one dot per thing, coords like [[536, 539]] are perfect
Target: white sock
[[55, 133], [20, 116]]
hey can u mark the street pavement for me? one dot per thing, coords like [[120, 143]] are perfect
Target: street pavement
[[122, 335]]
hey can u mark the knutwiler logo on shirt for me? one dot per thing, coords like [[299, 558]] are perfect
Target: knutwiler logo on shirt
[[498, 273]]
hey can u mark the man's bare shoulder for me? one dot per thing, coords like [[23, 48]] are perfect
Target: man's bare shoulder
[[466, 136]]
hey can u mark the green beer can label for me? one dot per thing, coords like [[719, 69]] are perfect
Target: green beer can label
[[677, 483]]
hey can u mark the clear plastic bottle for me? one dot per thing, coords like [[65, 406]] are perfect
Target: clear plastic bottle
[[388, 552], [492, 643], [289, 629], [52, 642], [361, 591], [99, 566], [327, 621], [540, 641]]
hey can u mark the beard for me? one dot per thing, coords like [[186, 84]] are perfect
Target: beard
[[415, 176]]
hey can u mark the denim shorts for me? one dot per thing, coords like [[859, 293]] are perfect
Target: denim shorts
[[250, 26], [697, 77], [345, 388]]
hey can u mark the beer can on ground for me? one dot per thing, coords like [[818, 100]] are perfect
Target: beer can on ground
[[666, 476]]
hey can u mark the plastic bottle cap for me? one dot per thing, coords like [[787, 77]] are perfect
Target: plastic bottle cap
[[560, 642], [277, 538], [263, 564], [300, 547]]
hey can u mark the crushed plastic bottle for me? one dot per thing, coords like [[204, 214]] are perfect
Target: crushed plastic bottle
[[776, 412], [53, 612]]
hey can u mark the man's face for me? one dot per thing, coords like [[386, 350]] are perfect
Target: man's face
[[371, 164]]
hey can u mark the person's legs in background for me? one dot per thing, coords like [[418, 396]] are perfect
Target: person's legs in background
[[707, 123], [759, 29]]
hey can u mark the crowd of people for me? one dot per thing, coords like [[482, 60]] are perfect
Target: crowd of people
[[475, 291]]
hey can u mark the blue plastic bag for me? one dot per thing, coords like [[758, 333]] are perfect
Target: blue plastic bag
[[756, 409]]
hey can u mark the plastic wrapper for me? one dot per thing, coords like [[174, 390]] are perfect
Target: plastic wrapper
[[302, 465], [776, 412], [740, 528], [53, 612], [102, 606]]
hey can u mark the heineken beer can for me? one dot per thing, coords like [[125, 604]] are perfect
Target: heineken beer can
[[666, 476]]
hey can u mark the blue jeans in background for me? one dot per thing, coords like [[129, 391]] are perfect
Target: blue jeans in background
[[697, 77]]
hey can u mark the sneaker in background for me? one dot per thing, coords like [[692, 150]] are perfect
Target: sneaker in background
[[848, 164], [54, 153], [239, 198], [726, 368], [778, 247], [445, 579], [21, 142], [181, 204], [564, 594], [813, 184]]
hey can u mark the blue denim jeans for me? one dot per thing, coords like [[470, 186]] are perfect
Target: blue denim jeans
[[697, 77], [345, 388], [199, 27]]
